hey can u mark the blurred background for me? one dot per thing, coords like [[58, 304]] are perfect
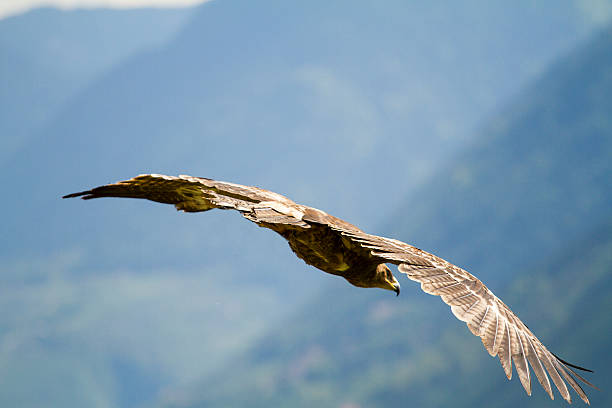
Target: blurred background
[[480, 131]]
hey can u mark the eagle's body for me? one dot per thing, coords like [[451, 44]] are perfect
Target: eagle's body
[[331, 254], [339, 248]]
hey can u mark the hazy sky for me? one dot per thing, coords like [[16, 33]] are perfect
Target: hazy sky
[[597, 10], [10, 7]]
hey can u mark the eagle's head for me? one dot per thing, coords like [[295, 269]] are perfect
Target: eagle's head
[[385, 279], [381, 278]]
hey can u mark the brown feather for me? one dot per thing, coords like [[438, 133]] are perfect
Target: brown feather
[[340, 248]]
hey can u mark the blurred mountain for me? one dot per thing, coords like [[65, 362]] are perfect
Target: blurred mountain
[[529, 200], [539, 173], [47, 55], [319, 101], [342, 105], [344, 350]]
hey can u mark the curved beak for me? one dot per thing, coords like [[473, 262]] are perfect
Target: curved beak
[[396, 288]]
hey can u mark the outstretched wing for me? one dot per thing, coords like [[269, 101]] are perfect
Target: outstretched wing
[[193, 194], [503, 334]]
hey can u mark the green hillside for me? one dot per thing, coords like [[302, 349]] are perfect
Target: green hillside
[[530, 201]]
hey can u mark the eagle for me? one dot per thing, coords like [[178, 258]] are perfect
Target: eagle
[[340, 248]]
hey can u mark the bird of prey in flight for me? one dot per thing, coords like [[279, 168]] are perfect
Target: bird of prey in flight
[[337, 247]]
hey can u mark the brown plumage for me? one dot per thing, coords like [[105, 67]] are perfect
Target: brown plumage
[[337, 247]]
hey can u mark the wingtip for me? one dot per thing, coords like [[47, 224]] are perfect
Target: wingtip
[[571, 365], [79, 194]]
